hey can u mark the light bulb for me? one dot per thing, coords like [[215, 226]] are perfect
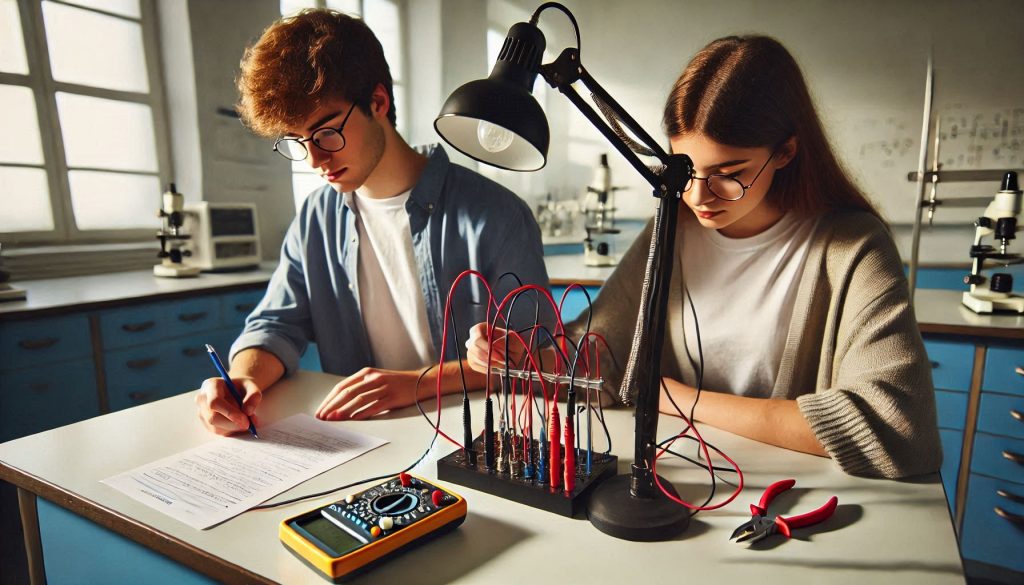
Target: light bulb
[[492, 137]]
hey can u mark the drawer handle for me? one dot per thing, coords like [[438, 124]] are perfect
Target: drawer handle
[[137, 327], [142, 364], [935, 364], [245, 308], [1017, 415], [1015, 518], [1015, 457], [38, 343], [39, 387], [1010, 496], [140, 396], [190, 317], [192, 351]]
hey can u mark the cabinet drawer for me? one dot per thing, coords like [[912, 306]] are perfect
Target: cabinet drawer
[[188, 316], [952, 409], [139, 375], [33, 400], [39, 341], [1001, 414], [951, 364], [189, 361], [987, 536], [997, 456], [1001, 364], [952, 441], [134, 325], [237, 306]]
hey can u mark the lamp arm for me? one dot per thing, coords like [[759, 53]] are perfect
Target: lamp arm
[[620, 113], [562, 73]]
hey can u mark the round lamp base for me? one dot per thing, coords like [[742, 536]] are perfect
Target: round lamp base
[[615, 511]]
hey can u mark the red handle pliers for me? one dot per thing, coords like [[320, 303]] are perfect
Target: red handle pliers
[[762, 526]]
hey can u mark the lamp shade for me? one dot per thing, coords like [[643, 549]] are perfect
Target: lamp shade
[[496, 120], [495, 123]]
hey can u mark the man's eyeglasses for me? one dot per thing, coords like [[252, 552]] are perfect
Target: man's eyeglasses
[[326, 139], [727, 187]]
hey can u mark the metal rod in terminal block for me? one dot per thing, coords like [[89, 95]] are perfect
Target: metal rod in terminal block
[[589, 383]]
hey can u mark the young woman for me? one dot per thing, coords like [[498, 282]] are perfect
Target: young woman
[[805, 326]]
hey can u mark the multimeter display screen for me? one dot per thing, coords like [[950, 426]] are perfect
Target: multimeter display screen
[[338, 541]]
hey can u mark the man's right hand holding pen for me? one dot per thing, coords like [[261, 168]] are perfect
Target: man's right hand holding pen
[[220, 412], [252, 370]]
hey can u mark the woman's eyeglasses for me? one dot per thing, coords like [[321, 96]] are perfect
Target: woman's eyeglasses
[[727, 187], [326, 139]]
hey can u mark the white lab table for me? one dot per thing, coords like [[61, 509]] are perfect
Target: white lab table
[[883, 531]]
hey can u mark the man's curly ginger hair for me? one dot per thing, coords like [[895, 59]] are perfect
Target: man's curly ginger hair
[[303, 61]]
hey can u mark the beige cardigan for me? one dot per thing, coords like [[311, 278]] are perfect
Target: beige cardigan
[[853, 356]]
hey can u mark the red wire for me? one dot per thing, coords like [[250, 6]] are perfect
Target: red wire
[[444, 341], [710, 468]]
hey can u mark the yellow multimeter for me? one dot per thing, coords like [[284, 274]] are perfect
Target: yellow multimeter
[[351, 534]]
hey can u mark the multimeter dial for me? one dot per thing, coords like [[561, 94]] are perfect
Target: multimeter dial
[[395, 503]]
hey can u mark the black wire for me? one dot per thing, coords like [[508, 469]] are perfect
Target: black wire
[[416, 393], [575, 26]]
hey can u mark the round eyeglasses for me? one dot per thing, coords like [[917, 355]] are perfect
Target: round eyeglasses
[[727, 187], [326, 139]]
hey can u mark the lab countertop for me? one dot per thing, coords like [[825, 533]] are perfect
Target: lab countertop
[[883, 531], [77, 293]]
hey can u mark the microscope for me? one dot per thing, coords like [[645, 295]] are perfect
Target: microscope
[[599, 218], [172, 239], [992, 294]]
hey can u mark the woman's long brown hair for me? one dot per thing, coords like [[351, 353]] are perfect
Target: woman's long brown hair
[[749, 92]]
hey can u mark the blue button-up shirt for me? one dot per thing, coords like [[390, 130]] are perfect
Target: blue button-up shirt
[[459, 220]]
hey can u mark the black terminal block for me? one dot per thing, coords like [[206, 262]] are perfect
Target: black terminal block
[[455, 468]]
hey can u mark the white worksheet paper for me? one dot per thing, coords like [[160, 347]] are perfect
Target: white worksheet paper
[[219, 480]]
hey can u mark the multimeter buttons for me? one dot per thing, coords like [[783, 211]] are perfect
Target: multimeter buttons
[[386, 523]]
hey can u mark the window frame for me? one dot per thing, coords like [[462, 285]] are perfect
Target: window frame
[[45, 88]]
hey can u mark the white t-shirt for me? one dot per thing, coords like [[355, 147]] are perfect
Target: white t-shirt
[[743, 290], [394, 311]]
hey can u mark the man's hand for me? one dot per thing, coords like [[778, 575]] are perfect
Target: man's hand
[[218, 409], [369, 392]]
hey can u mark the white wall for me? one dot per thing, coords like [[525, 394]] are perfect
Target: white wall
[[864, 61], [214, 157]]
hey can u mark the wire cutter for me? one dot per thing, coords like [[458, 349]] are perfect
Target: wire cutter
[[761, 526]]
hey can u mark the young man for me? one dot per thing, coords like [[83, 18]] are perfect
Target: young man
[[367, 264]]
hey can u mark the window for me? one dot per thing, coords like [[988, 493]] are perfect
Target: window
[[385, 18], [85, 154]]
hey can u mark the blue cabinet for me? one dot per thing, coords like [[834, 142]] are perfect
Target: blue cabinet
[[40, 398], [992, 507], [575, 303], [993, 530], [47, 375], [952, 362], [44, 341], [157, 350]]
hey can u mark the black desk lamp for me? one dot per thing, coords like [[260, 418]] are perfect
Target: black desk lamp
[[497, 121]]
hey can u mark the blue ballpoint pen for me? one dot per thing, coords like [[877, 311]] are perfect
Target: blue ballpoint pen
[[231, 385]]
